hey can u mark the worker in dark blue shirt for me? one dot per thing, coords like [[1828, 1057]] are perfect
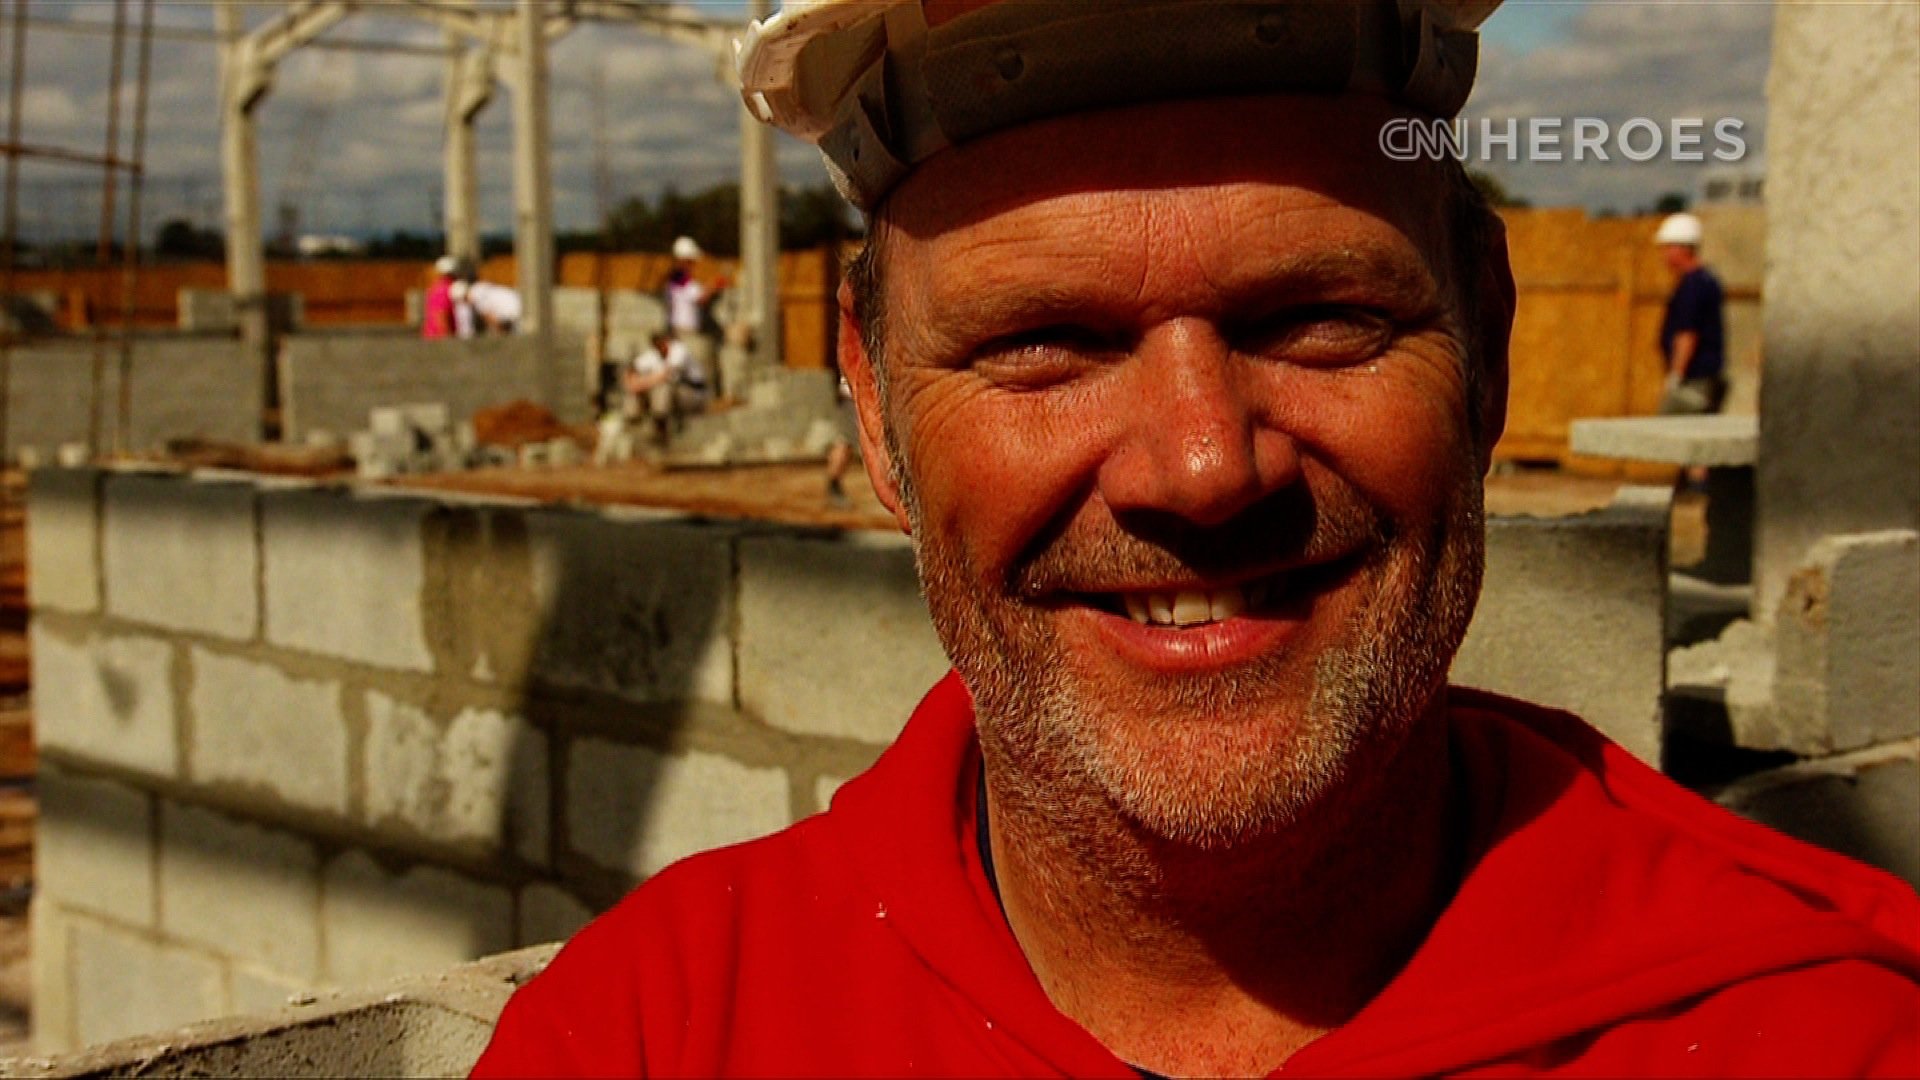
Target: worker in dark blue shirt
[[1693, 333]]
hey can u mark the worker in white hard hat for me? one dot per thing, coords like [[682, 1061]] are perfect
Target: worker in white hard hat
[[1184, 391], [1693, 329], [687, 299]]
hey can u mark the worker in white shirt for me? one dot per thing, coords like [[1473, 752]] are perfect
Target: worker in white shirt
[[666, 382], [495, 308], [687, 301]]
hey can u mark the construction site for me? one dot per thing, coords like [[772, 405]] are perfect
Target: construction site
[[345, 668]]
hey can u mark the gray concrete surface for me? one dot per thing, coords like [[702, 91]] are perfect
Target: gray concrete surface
[[179, 386], [1571, 616], [1839, 448], [1863, 804], [1671, 440], [330, 381], [433, 1025]]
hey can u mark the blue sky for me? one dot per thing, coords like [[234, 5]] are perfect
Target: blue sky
[[354, 139]]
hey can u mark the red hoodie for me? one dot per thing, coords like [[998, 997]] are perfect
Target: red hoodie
[[1608, 923]]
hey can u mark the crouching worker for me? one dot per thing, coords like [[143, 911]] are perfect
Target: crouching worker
[[666, 384]]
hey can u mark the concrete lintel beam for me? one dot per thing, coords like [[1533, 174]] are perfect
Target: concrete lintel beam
[[672, 22], [298, 25]]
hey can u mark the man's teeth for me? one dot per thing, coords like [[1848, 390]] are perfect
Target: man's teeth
[[1188, 607]]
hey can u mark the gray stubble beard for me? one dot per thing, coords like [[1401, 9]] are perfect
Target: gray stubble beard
[[1058, 761]]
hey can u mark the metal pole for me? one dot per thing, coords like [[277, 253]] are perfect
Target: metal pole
[[17, 87], [130, 264], [104, 256]]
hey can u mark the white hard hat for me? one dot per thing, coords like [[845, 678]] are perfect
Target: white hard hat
[[685, 248], [881, 85], [445, 264], [1679, 229]]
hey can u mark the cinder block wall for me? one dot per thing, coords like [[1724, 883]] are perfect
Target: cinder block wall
[[298, 737], [180, 385], [328, 381]]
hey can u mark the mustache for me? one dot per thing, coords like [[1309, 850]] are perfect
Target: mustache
[[1090, 553]]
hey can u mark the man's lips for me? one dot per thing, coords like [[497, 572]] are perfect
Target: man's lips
[[1184, 605]]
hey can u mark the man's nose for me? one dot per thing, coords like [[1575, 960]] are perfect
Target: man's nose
[[1192, 441]]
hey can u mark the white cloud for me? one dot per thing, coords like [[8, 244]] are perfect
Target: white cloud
[[1619, 59]]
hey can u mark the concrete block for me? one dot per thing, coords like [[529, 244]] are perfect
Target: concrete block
[[50, 963], [378, 925], [94, 847], [1672, 440], [834, 636], [1848, 639], [256, 726], [106, 699], [479, 778], [251, 990], [641, 611], [1588, 593], [343, 576], [240, 890], [634, 809], [63, 539], [1865, 804], [549, 913], [128, 984], [180, 554], [1839, 451]]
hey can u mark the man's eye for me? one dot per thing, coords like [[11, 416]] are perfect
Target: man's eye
[[1038, 358], [1320, 336]]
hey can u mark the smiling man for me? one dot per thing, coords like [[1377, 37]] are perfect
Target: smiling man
[[1184, 393]]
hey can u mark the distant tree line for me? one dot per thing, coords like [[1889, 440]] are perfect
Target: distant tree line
[[810, 217]]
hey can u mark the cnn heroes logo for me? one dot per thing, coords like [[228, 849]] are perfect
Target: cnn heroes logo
[[1560, 138]]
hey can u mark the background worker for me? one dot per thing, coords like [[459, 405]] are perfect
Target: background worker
[[1693, 331], [437, 316], [687, 301], [666, 383], [496, 308]]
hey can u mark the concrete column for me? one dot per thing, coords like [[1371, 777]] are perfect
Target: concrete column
[[469, 81], [241, 88], [760, 229], [1840, 383], [532, 172]]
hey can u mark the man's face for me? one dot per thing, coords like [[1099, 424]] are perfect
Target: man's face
[[1177, 398]]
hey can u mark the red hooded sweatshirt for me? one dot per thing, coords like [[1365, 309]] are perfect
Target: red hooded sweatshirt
[[1607, 922]]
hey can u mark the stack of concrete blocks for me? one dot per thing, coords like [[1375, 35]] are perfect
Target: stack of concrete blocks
[[297, 737], [788, 415], [402, 439], [332, 381], [1834, 679], [178, 386]]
